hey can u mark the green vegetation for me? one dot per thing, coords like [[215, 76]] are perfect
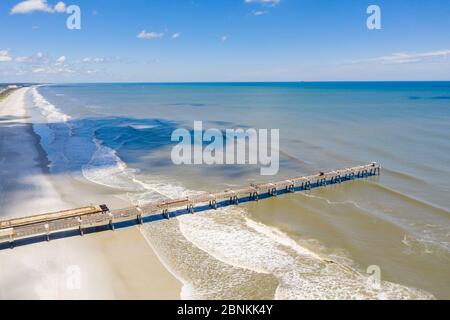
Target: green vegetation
[[6, 92]]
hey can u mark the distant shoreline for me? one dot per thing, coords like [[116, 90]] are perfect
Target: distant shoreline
[[230, 82]]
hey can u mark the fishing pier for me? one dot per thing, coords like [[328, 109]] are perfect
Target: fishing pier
[[97, 218]]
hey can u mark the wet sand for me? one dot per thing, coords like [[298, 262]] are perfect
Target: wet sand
[[109, 265]]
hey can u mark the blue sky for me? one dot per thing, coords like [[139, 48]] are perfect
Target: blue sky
[[224, 40]]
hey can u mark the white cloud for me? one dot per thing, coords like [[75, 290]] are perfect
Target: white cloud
[[224, 38], [60, 7], [270, 3], [30, 6], [37, 58], [150, 35], [176, 35], [39, 64], [38, 70], [22, 59], [61, 60], [402, 58], [259, 13], [4, 56], [47, 70], [93, 60]]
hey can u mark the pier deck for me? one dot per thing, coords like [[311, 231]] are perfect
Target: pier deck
[[100, 216]]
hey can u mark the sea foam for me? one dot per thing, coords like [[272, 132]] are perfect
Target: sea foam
[[233, 238], [51, 113]]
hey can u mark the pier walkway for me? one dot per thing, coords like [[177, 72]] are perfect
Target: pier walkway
[[96, 218]]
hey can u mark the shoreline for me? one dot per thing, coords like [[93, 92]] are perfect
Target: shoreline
[[111, 265]]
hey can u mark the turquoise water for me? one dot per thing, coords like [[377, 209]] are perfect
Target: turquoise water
[[119, 135]]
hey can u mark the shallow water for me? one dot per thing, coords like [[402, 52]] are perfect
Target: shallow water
[[313, 245]]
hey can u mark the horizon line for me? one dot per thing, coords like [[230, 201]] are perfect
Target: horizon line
[[221, 82]]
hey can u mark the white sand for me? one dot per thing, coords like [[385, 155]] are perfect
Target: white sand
[[22, 166], [108, 265]]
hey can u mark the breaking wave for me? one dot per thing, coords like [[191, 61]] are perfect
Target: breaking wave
[[233, 238]]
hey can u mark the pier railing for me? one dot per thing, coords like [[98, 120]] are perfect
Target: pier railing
[[81, 219]]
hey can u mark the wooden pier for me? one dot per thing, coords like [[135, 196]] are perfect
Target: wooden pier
[[100, 216]]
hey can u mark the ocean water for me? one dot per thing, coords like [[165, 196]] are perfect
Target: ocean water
[[315, 245]]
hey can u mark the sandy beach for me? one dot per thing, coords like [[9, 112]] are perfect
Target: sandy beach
[[108, 265]]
